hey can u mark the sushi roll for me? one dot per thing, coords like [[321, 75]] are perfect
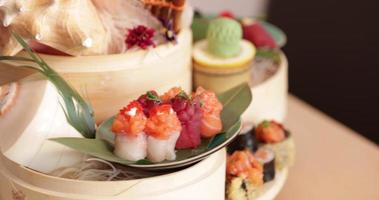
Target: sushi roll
[[244, 176], [267, 158], [272, 135], [246, 140], [163, 129], [130, 141], [211, 108]]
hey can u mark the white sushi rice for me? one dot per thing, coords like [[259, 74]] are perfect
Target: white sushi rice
[[160, 150], [131, 148]]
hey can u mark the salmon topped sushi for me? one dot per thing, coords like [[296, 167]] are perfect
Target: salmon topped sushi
[[211, 109], [244, 176], [270, 132], [166, 97], [163, 129], [128, 126]]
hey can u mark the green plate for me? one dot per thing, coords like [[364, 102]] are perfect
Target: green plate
[[235, 102]]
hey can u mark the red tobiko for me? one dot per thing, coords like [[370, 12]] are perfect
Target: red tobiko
[[140, 36], [133, 104]]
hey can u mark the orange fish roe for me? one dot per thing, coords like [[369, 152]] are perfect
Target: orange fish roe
[[270, 132], [211, 110], [130, 121], [166, 97], [243, 164], [162, 122]]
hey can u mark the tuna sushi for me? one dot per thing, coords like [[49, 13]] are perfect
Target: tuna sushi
[[267, 158], [211, 108], [128, 126], [189, 114], [163, 129], [272, 135], [149, 101]]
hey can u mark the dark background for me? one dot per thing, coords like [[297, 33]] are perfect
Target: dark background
[[333, 50]]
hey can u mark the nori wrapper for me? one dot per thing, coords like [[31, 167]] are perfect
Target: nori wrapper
[[244, 141], [268, 163]]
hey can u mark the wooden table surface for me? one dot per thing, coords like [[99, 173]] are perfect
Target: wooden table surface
[[332, 161]]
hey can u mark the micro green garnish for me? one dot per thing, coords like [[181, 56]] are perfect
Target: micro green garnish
[[183, 95], [79, 113], [265, 124], [152, 97]]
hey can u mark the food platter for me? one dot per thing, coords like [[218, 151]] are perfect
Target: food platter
[[235, 101], [184, 157]]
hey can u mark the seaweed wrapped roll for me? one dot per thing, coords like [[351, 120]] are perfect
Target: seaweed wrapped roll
[[246, 140], [267, 158], [272, 135]]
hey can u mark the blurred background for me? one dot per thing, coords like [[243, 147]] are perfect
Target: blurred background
[[333, 46]]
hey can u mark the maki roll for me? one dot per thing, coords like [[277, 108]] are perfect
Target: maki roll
[[211, 108], [272, 135], [267, 158], [128, 126], [244, 176], [246, 140], [163, 129]]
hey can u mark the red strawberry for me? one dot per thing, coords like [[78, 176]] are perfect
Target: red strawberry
[[257, 34], [189, 114], [149, 101]]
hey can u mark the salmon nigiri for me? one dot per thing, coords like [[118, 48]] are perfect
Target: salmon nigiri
[[211, 109], [163, 129], [130, 140]]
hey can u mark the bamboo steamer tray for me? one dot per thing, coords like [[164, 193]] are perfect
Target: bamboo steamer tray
[[270, 97], [204, 180], [111, 81]]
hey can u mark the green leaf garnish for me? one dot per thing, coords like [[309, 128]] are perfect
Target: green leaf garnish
[[79, 113], [183, 95], [151, 96], [265, 124], [235, 102]]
